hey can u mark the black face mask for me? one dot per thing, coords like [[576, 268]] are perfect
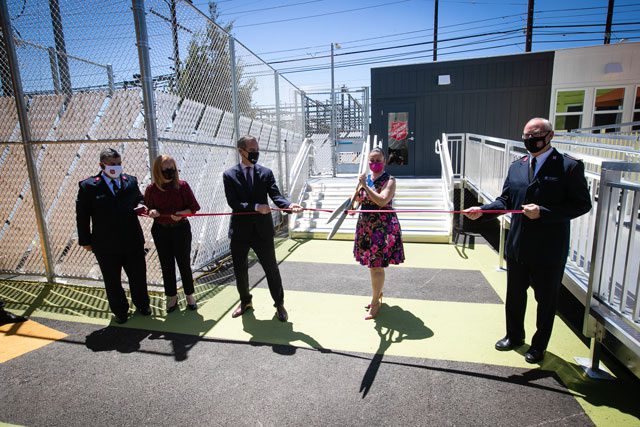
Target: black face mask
[[252, 156], [531, 143], [169, 174]]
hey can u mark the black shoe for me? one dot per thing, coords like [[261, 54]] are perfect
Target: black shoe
[[8, 317], [534, 355], [144, 311], [193, 306], [282, 314], [506, 344], [120, 319]]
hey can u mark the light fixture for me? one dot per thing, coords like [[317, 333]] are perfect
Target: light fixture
[[613, 67], [444, 79]]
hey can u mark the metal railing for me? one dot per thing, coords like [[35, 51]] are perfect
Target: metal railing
[[613, 292]]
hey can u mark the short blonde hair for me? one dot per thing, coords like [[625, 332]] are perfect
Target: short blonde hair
[[156, 172]]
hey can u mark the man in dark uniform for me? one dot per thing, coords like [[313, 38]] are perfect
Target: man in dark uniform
[[246, 187], [107, 211], [8, 317], [551, 189]]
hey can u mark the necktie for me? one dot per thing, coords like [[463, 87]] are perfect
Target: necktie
[[249, 178], [532, 169], [114, 185]]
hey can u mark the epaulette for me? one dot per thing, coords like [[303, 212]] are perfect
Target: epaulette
[[124, 177], [571, 157], [522, 159]]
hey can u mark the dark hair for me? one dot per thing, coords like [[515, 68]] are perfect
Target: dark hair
[[377, 150], [108, 153], [242, 142]]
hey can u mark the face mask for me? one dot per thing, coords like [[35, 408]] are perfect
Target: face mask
[[252, 156], [531, 143], [112, 171], [169, 174], [376, 167]]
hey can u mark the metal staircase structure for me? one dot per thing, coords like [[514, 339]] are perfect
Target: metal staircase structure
[[328, 193]]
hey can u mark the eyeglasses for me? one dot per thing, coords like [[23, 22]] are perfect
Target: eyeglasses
[[535, 134]]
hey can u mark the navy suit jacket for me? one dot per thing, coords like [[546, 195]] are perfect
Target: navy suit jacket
[[561, 191], [106, 221], [241, 199]]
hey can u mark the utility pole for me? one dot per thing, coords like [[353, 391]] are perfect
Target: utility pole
[[61, 48], [607, 30], [435, 32], [529, 35], [176, 44]]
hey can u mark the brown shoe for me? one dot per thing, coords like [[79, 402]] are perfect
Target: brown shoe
[[239, 311]]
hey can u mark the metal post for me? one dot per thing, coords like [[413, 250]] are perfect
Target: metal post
[[435, 31], [234, 88], [304, 106], [110, 79], [148, 98], [365, 124], [607, 30], [276, 79], [61, 49], [176, 45], [5, 73], [25, 130], [332, 130], [529, 34], [55, 77]]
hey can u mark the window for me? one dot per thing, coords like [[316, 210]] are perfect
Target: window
[[608, 108], [636, 110], [569, 108], [398, 131]]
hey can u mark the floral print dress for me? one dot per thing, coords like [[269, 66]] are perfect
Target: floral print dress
[[378, 241]]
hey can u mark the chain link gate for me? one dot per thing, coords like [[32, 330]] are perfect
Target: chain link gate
[[143, 77]]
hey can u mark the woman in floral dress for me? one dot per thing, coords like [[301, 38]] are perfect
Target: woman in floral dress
[[378, 240]]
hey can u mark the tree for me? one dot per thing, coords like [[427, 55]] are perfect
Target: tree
[[205, 75]]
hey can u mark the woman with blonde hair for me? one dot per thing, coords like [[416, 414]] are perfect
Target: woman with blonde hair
[[167, 198]]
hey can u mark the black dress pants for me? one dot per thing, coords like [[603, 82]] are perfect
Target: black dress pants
[[133, 262], [173, 244], [266, 253], [546, 281]]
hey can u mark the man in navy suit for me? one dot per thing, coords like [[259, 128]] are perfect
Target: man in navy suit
[[247, 186], [551, 189], [107, 210]]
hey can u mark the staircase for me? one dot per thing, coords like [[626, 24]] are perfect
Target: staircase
[[329, 193]]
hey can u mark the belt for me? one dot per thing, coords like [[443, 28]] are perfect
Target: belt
[[173, 224]]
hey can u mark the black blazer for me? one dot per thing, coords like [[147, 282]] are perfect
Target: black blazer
[[561, 191], [107, 222], [240, 199]]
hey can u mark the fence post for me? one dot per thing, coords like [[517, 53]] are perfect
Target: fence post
[[110, 79], [276, 79], [148, 98], [54, 70], [234, 88], [25, 130]]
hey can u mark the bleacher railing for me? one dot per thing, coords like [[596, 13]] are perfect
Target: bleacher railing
[[144, 77]]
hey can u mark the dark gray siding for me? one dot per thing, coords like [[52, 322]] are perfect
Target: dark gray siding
[[491, 96]]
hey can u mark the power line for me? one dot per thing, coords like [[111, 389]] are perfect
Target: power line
[[271, 8], [322, 14], [464, 23]]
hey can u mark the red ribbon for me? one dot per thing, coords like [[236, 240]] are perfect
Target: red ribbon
[[355, 211]]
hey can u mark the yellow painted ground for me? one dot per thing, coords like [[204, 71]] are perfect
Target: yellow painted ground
[[17, 339]]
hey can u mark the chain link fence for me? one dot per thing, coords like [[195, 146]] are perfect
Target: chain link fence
[[102, 74]]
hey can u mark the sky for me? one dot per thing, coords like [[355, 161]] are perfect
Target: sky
[[295, 36], [375, 24]]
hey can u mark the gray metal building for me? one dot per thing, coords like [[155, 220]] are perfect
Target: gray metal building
[[411, 105]]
